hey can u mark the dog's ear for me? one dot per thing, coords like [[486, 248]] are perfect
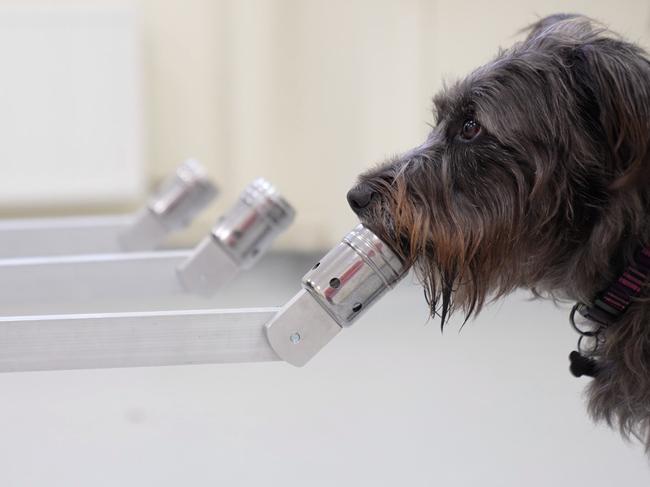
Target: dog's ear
[[616, 76]]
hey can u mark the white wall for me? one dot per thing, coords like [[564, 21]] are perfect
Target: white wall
[[70, 106]]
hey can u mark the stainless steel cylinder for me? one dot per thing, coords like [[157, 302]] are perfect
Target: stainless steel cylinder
[[250, 227], [180, 197], [357, 272], [173, 206]]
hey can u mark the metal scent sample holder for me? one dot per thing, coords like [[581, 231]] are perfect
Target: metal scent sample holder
[[335, 293], [345, 283], [172, 207], [235, 243]]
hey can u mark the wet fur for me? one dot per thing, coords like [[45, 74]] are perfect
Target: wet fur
[[553, 195]]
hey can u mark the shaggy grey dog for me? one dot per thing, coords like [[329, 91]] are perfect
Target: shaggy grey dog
[[536, 175]]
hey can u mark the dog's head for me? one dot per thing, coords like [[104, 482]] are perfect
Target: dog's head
[[518, 183]]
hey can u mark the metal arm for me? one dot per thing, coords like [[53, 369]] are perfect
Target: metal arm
[[239, 238], [134, 339], [347, 281], [173, 206]]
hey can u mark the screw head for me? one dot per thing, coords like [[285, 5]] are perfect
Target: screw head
[[295, 338]]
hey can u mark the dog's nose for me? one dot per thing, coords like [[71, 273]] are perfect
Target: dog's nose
[[360, 197]]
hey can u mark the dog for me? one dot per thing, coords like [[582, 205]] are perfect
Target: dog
[[536, 175]]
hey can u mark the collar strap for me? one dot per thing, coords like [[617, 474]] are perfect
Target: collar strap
[[612, 303], [608, 306]]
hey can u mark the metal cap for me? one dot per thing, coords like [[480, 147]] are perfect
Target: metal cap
[[375, 253], [253, 223], [353, 275], [268, 202], [184, 194]]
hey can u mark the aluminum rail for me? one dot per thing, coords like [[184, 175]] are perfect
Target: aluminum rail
[[238, 240], [336, 292], [134, 339], [172, 207]]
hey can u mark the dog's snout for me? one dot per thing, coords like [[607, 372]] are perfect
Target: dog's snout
[[360, 197]]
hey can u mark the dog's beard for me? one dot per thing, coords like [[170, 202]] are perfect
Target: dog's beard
[[463, 253]]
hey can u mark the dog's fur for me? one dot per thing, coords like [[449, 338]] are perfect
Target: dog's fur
[[553, 194]]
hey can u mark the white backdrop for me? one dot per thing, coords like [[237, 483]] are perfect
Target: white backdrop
[[70, 106]]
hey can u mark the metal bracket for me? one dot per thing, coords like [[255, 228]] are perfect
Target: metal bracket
[[301, 329]]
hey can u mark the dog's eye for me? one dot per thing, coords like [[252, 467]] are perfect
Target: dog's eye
[[470, 129]]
